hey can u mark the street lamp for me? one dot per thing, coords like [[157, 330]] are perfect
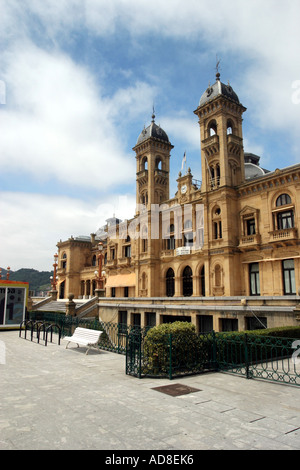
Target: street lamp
[[98, 274], [54, 278]]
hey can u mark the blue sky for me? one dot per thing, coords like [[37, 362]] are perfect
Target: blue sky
[[80, 80]]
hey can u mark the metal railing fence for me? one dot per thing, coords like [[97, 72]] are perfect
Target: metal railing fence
[[246, 354]]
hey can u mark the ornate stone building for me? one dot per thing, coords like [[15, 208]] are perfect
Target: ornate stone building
[[222, 253]]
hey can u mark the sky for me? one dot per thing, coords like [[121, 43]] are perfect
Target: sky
[[78, 83]]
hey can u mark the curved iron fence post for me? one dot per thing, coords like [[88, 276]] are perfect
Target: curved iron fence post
[[214, 350], [170, 357], [126, 355], [21, 325], [140, 354], [50, 327], [248, 375]]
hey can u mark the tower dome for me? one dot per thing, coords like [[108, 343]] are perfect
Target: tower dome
[[152, 131], [218, 89]]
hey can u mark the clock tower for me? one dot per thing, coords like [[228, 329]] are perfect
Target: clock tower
[[222, 153], [152, 166]]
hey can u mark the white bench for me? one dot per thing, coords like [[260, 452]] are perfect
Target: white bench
[[84, 337]]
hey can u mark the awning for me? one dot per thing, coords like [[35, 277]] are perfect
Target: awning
[[121, 280]]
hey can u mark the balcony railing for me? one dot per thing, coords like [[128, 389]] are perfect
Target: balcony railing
[[249, 240], [284, 234], [211, 144]]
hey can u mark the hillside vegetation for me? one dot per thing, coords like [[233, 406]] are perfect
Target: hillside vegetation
[[38, 280]]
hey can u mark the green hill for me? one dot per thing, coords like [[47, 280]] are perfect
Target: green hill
[[38, 280]]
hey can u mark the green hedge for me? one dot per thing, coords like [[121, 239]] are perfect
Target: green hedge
[[292, 332], [262, 345], [175, 348]]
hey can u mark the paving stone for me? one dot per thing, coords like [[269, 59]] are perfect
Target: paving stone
[[62, 399]]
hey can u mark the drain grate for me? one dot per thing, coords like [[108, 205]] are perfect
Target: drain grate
[[176, 390]]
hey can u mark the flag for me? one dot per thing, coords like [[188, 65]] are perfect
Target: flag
[[183, 161]]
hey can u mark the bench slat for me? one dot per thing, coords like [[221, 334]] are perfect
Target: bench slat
[[84, 336]]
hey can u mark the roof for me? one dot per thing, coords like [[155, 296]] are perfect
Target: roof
[[253, 171], [217, 89], [152, 131]]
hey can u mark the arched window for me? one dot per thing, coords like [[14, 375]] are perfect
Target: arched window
[[94, 260], [284, 218], [170, 283], [288, 271], [212, 128], [214, 174], [144, 239], [254, 279], [144, 281], [170, 241], [229, 127], [283, 199], [144, 164], [188, 233], [188, 224], [62, 290], [64, 261], [217, 275], [217, 223], [187, 282], [144, 198], [202, 281], [218, 174], [158, 164]]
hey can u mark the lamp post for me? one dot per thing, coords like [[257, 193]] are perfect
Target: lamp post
[[54, 278], [98, 274]]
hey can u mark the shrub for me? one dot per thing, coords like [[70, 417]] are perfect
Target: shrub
[[172, 347]]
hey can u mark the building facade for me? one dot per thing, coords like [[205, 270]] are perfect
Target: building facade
[[223, 253]]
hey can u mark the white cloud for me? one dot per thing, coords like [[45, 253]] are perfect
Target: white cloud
[[185, 129], [32, 224], [60, 124], [264, 34], [57, 124]]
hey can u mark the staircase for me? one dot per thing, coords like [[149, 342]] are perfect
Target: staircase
[[83, 307]]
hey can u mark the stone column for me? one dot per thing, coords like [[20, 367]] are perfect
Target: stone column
[[100, 292], [70, 306], [53, 294]]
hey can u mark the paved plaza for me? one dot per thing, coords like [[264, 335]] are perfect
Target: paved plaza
[[54, 398]]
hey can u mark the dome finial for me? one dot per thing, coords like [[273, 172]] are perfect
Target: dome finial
[[153, 114], [218, 68]]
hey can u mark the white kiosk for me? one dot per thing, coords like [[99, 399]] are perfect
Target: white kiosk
[[13, 303]]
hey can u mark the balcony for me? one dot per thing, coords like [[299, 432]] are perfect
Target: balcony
[[161, 176], [124, 262], [211, 145], [142, 177], [284, 237], [111, 263], [235, 144], [167, 254], [249, 241]]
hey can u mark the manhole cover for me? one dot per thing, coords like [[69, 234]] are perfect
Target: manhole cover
[[176, 389]]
